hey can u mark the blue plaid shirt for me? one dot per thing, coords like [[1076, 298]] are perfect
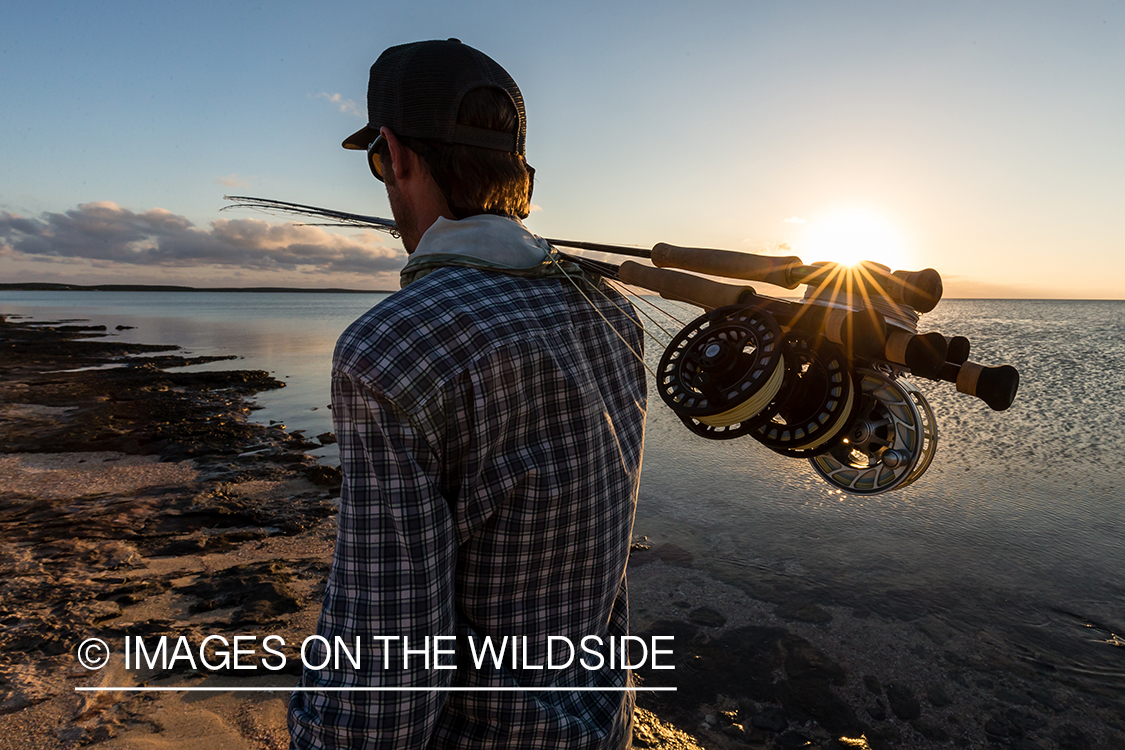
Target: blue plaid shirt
[[490, 431]]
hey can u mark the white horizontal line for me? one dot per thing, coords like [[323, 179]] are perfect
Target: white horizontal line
[[372, 689]]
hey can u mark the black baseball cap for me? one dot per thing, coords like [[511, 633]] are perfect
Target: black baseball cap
[[416, 90]]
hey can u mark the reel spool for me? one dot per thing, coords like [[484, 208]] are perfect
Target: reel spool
[[890, 443], [722, 370], [729, 432], [816, 412], [929, 430]]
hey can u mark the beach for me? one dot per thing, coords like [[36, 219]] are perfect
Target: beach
[[139, 499]]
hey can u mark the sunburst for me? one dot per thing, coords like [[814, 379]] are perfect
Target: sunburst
[[853, 235]]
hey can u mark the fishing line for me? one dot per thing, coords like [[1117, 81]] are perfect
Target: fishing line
[[608, 272], [621, 287], [618, 287], [602, 315], [752, 406], [733, 373]]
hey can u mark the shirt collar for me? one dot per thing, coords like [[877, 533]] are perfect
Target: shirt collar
[[496, 240]]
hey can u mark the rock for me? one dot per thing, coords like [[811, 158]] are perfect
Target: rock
[[1071, 737], [959, 678], [125, 328], [1024, 721], [674, 554], [885, 736], [96, 611], [816, 699], [999, 730], [734, 730], [803, 613], [72, 735], [871, 682], [1045, 699], [791, 741], [1013, 697], [770, 718], [258, 591], [327, 438], [189, 546], [650, 732], [806, 662], [325, 476], [707, 617], [878, 712], [930, 730], [903, 703], [937, 696]]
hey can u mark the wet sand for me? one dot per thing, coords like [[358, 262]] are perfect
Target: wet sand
[[141, 500]]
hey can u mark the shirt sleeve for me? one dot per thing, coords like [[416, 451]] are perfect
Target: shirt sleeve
[[392, 578]]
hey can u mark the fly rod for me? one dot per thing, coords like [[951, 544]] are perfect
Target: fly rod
[[821, 379]]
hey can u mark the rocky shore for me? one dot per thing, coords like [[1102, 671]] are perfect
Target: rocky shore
[[138, 499]]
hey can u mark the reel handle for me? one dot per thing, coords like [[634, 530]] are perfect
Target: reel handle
[[924, 353], [920, 290], [996, 386], [860, 332]]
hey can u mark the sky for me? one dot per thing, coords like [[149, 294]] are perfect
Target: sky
[[984, 140]]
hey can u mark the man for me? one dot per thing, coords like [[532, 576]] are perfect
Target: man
[[490, 419]]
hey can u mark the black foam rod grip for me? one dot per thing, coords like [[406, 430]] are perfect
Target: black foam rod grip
[[923, 353], [957, 350], [996, 386]]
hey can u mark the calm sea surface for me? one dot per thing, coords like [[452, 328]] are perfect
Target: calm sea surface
[[1018, 527]]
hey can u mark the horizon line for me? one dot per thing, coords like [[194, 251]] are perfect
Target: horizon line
[[50, 286]]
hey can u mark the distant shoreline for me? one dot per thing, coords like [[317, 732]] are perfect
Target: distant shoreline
[[48, 287], [53, 287]]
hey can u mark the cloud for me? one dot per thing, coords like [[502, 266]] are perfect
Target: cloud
[[794, 220], [347, 106], [234, 181], [534, 207], [105, 233]]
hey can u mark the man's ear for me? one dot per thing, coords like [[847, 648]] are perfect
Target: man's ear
[[402, 158]]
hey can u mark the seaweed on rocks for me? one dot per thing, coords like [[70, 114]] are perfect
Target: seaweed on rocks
[[95, 555]]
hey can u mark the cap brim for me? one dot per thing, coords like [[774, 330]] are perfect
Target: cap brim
[[361, 139]]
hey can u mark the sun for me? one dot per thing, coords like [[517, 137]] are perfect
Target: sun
[[850, 236]]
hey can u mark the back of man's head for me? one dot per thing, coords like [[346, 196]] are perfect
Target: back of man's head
[[463, 114]]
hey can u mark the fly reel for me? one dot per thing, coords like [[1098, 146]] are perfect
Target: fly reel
[[721, 371], [818, 405], [731, 373], [890, 443]]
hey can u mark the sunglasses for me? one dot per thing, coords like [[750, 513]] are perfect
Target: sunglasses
[[373, 159]]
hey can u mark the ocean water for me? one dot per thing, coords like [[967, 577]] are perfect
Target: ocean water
[[1017, 528]]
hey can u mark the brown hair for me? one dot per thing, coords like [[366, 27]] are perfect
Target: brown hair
[[478, 180]]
